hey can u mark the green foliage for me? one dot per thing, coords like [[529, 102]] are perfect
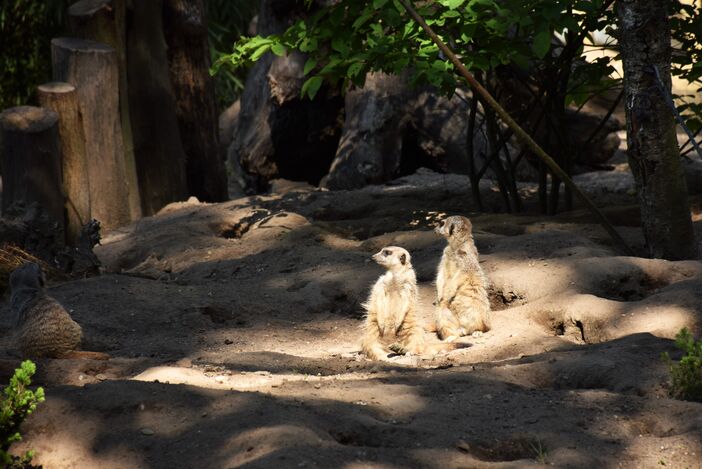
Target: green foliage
[[351, 38], [227, 23], [686, 374], [18, 401], [26, 29]]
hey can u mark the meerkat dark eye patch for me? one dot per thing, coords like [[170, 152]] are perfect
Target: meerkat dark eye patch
[[452, 228], [403, 259], [387, 252]]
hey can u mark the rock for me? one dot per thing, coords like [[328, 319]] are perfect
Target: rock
[[146, 431], [278, 133]]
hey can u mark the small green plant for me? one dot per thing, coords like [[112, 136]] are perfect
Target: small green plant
[[686, 374], [17, 402], [540, 452]]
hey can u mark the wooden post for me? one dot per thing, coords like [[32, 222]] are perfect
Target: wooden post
[[104, 21], [186, 35], [63, 99], [30, 160], [92, 68], [161, 161]]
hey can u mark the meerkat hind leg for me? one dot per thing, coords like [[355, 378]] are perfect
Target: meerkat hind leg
[[447, 325]]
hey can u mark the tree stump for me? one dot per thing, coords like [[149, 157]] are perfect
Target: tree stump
[[104, 21], [161, 161], [30, 160], [92, 68], [63, 99], [186, 35]]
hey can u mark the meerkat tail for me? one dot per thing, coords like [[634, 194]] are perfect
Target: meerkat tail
[[84, 355]]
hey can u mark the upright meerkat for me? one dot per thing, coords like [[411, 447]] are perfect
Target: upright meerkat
[[391, 307], [462, 304], [43, 328]]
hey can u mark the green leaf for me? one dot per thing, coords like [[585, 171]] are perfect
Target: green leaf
[[541, 43], [379, 3], [311, 86], [259, 52], [310, 65], [278, 49], [452, 4]]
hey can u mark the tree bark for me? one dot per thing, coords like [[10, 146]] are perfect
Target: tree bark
[[161, 161], [92, 68], [63, 99], [186, 35], [644, 39], [104, 21], [30, 159]]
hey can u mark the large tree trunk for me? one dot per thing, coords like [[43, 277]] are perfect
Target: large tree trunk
[[92, 68], [30, 160], [104, 21], [186, 35], [644, 39], [161, 161], [63, 99]]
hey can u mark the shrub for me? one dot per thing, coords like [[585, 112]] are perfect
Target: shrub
[[686, 374], [18, 401]]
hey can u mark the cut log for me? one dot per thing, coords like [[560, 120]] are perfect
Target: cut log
[[63, 99], [161, 161], [186, 36], [30, 159], [104, 21], [92, 68]]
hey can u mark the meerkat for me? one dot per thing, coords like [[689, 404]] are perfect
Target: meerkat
[[391, 322], [462, 303], [43, 328]]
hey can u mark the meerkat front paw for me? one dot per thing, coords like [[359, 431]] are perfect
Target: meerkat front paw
[[477, 334], [398, 348], [450, 338]]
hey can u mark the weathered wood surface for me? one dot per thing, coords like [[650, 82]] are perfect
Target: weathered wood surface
[[30, 159], [62, 98], [93, 69]]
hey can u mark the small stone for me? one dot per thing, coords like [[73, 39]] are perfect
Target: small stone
[[101, 377], [316, 385], [147, 431], [228, 341]]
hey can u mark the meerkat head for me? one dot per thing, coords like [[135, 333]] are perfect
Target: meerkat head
[[455, 228], [27, 276], [393, 258]]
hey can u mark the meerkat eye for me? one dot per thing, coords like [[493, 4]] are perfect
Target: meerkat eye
[[387, 252]]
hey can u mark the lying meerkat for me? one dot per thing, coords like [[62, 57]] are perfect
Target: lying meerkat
[[391, 322], [462, 304], [43, 328]]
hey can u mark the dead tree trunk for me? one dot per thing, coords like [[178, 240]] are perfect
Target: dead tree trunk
[[92, 68], [644, 40], [30, 157], [104, 21], [161, 162], [63, 99], [189, 60]]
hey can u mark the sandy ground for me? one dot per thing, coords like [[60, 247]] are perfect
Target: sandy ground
[[234, 331]]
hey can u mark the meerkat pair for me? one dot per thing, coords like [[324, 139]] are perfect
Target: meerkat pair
[[462, 302]]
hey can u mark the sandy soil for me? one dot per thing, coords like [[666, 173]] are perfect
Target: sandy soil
[[234, 331]]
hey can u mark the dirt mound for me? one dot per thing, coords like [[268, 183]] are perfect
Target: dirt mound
[[234, 331]]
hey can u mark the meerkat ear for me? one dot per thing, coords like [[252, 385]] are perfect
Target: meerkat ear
[[403, 259]]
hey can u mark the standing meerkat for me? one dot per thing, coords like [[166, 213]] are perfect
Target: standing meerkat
[[43, 328], [391, 307], [462, 304]]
